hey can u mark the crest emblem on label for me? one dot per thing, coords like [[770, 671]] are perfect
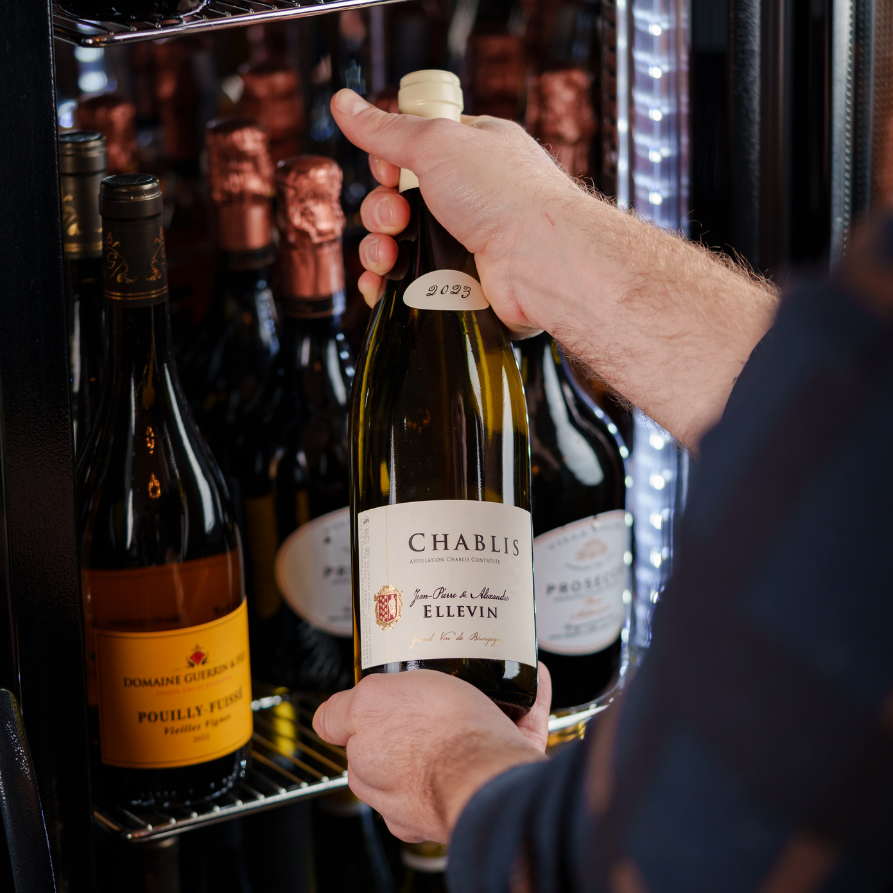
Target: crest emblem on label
[[198, 657], [388, 606]]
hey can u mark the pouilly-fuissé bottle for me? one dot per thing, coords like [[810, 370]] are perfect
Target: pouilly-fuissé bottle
[[82, 166], [581, 546], [293, 449], [440, 467], [166, 620]]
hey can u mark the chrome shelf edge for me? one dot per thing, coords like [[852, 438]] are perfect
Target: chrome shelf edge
[[287, 762], [216, 16]]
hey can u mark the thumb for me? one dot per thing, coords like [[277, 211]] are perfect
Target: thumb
[[333, 721], [399, 139]]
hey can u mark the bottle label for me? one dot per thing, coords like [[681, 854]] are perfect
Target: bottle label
[[174, 698], [446, 579], [445, 290], [313, 573], [581, 575]]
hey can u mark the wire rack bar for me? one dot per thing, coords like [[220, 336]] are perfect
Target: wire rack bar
[[216, 16], [288, 762]]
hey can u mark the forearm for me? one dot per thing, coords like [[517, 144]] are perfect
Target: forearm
[[665, 323]]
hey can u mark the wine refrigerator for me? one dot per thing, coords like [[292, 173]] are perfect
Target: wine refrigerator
[[761, 128]]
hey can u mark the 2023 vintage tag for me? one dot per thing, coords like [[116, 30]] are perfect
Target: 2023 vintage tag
[[446, 290]]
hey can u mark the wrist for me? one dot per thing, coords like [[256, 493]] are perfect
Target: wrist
[[462, 771]]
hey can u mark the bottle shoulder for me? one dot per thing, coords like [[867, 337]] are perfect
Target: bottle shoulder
[[149, 489]]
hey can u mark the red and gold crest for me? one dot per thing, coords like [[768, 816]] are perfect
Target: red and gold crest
[[388, 606]]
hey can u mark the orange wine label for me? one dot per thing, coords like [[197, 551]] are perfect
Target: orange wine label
[[174, 698]]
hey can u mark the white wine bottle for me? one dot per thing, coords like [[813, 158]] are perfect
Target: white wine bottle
[[166, 622], [440, 465]]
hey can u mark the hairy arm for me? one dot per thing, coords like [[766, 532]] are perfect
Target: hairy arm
[[663, 322]]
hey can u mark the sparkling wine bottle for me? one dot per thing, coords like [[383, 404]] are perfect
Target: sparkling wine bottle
[[293, 450], [82, 163], [440, 466], [166, 621], [581, 546], [237, 340]]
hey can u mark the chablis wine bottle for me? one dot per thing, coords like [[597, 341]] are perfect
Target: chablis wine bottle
[[581, 536], [440, 466], [166, 620], [424, 867], [237, 340], [349, 847], [82, 162], [293, 451]]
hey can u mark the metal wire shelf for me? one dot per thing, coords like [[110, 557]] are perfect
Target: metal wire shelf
[[288, 762], [215, 16]]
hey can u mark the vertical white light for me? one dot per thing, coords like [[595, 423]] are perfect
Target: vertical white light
[[658, 162]]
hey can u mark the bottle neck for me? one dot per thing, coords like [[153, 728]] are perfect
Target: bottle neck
[[310, 278], [244, 228], [301, 334], [81, 223], [140, 349]]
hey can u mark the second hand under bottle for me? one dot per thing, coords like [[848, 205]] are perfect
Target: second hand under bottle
[[293, 450]]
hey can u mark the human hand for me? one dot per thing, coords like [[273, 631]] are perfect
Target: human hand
[[420, 744], [493, 187]]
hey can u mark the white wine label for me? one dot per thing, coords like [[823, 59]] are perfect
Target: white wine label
[[446, 579], [313, 573], [582, 571], [446, 290]]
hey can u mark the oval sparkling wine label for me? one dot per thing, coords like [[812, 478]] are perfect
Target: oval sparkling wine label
[[313, 573], [446, 290], [582, 573]]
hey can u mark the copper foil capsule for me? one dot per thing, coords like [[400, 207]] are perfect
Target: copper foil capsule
[[310, 223], [240, 179], [114, 116], [497, 74], [177, 95], [272, 96], [561, 117]]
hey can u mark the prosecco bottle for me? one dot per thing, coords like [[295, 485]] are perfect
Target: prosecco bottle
[[166, 621], [440, 468], [581, 546], [82, 163], [237, 340], [293, 450]]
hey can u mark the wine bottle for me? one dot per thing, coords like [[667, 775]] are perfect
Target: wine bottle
[[496, 60], [82, 165], [114, 116], [293, 449], [348, 846], [581, 546], [179, 80], [166, 621], [425, 867], [237, 340], [440, 467], [272, 97]]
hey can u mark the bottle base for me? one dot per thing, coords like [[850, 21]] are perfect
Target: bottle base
[[165, 787]]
